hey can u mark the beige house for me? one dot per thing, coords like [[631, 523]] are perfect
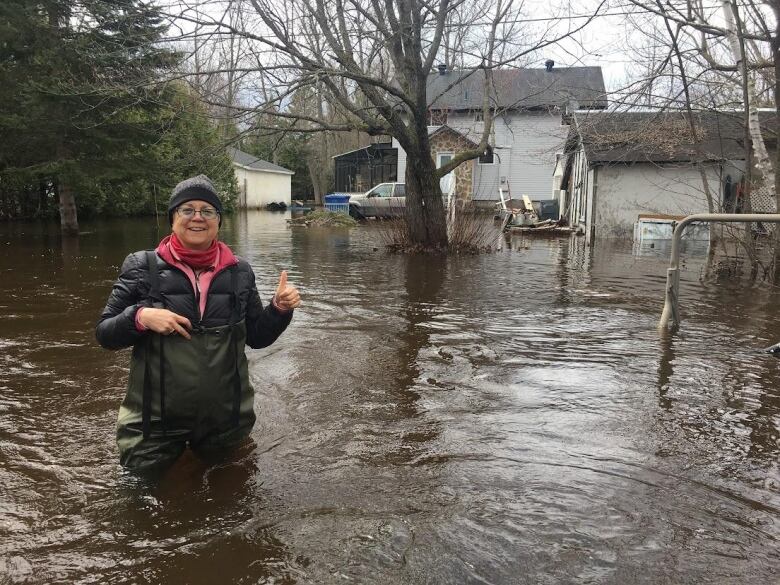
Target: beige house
[[260, 182]]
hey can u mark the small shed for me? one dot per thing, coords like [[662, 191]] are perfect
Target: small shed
[[619, 168], [260, 182], [359, 170]]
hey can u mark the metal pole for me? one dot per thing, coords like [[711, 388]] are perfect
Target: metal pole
[[670, 316]]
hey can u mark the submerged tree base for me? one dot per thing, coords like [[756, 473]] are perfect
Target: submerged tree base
[[469, 232]]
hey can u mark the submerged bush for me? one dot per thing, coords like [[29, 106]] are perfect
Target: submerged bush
[[324, 219], [469, 231]]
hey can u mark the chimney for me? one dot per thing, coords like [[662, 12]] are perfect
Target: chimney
[[549, 64], [442, 68]]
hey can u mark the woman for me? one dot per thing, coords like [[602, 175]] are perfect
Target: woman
[[188, 309]]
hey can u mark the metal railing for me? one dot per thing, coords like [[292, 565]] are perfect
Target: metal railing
[[671, 316]]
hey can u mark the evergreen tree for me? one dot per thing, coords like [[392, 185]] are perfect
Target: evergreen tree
[[186, 143], [79, 103]]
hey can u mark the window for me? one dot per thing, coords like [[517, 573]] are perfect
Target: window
[[479, 116], [400, 190], [383, 190], [487, 157]]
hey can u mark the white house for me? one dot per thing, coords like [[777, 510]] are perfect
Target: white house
[[528, 132], [623, 168], [260, 182]]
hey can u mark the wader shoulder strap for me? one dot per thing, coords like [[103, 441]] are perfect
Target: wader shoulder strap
[[154, 277], [235, 318], [146, 407]]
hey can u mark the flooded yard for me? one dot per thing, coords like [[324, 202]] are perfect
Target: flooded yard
[[505, 418]]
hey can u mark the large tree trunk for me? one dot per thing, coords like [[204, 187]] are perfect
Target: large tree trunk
[[424, 206], [68, 219], [315, 181]]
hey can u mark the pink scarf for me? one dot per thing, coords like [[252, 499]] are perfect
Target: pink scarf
[[196, 259]]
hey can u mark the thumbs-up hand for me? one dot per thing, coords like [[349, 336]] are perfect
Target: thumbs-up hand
[[287, 296]]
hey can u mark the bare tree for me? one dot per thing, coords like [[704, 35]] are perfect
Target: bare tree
[[719, 57], [368, 63], [726, 58]]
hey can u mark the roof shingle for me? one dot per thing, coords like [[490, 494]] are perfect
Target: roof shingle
[[665, 136], [522, 88]]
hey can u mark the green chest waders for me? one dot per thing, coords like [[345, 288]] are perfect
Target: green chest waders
[[183, 392]]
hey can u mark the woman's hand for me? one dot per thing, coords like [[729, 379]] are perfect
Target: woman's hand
[[287, 296], [165, 322]]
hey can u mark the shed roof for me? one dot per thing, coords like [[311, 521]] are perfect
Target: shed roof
[[250, 161], [366, 151], [664, 136], [520, 88]]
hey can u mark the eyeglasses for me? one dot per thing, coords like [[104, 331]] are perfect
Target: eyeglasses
[[207, 213]]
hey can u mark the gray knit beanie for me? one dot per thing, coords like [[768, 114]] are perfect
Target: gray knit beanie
[[195, 188]]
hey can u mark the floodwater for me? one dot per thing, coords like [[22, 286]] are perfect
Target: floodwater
[[505, 418]]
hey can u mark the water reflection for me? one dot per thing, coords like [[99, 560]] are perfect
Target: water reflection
[[665, 369]]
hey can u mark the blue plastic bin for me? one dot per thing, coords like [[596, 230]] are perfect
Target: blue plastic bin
[[338, 202]]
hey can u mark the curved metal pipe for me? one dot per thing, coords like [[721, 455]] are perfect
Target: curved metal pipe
[[670, 316]]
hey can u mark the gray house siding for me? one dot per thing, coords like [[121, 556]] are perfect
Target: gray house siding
[[535, 139]]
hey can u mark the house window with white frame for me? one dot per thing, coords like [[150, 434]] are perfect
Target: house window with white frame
[[479, 116]]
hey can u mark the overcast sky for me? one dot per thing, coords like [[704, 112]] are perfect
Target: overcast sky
[[605, 41]]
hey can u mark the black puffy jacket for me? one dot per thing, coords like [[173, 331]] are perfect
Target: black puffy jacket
[[116, 328]]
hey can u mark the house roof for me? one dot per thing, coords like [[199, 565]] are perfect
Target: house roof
[[664, 136], [520, 88], [444, 129], [250, 161]]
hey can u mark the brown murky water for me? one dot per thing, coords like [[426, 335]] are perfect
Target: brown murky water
[[507, 418]]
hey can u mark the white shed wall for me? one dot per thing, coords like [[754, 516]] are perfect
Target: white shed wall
[[622, 192], [263, 187]]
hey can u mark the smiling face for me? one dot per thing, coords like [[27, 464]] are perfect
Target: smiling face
[[195, 232]]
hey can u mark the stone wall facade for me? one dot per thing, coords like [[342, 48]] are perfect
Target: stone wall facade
[[450, 141]]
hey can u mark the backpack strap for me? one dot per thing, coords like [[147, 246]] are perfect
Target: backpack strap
[[154, 277], [234, 318]]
